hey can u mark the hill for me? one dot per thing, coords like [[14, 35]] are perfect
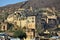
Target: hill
[[45, 3], [33, 3]]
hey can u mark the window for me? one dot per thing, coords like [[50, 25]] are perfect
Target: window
[[33, 21], [28, 21], [3, 27], [32, 18]]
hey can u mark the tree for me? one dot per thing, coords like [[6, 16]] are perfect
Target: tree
[[10, 26], [6, 15], [20, 34], [3, 16]]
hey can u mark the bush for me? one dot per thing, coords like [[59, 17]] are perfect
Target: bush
[[20, 34]]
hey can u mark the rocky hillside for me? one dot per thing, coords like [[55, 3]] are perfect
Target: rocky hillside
[[11, 8], [44, 3], [32, 3]]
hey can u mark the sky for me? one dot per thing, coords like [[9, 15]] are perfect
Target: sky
[[6, 2]]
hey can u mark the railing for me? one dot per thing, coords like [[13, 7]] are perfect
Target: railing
[[52, 17]]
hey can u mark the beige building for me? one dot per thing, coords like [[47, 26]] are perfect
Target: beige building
[[31, 21], [28, 22], [4, 26], [48, 14]]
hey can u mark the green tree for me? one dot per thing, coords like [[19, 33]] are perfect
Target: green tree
[[3, 16], [10, 26], [20, 34]]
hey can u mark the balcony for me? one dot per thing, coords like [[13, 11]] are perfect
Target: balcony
[[51, 17]]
